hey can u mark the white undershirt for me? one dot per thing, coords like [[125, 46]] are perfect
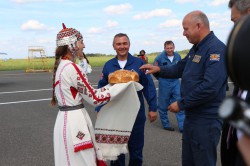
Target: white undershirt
[[122, 63], [171, 58]]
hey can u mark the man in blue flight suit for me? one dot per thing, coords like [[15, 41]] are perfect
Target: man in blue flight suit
[[203, 88], [169, 88], [124, 60]]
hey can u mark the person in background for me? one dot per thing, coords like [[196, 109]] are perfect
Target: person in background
[[203, 88], [169, 89], [230, 155], [124, 60], [84, 63], [142, 55]]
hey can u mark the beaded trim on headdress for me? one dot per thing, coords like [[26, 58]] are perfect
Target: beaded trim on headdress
[[68, 36]]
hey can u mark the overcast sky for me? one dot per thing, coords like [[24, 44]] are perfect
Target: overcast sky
[[148, 23]]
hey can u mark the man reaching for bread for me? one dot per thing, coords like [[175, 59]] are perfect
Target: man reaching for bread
[[124, 60]]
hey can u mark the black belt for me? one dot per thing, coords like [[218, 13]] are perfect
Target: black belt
[[70, 108]]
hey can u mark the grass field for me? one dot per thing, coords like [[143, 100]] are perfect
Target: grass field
[[38, 64]]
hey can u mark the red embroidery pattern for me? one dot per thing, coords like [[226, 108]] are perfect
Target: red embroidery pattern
[[73, 92], [100, 162], [65, 137], [83, 146], [111, 139], [122, 131], [66, 32], [55, 84], [91, 90], [80, 135]]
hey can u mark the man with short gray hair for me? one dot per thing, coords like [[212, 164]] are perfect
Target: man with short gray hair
[[238, 8]]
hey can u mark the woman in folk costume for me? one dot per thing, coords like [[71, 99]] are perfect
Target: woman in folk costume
[[74, 140]]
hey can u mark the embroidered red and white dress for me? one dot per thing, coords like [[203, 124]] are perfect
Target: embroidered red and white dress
[[74, 139]]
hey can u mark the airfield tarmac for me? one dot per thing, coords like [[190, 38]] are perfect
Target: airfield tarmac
[[27, 121]]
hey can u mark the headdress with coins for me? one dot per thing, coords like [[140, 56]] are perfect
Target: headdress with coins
[[68, 36]]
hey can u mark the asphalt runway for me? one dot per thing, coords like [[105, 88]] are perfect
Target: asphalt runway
[[27, 121]]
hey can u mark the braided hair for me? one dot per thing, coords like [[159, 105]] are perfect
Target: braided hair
[[60, 51], [66, 42]]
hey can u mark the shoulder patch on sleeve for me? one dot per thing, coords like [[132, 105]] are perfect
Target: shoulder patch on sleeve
[[214, 57]]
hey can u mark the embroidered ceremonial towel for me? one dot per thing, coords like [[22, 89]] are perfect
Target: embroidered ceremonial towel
[[116, 119]]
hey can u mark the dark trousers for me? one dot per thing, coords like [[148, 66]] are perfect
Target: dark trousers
[[230, 155], [135, 147], [200, 139]]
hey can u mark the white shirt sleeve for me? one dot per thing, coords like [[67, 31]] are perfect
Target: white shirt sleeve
[[85, 66]]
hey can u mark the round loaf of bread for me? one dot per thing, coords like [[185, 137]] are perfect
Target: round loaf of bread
[[122, 76]]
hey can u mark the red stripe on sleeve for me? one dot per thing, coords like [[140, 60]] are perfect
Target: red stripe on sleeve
[[88, 86]]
